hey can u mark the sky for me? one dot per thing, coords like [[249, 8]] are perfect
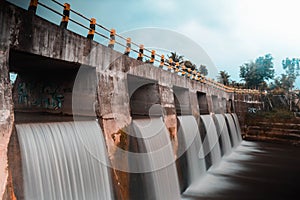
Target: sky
[[227, 33]]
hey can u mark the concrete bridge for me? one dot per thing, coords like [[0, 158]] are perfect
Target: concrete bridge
[[62, 75]]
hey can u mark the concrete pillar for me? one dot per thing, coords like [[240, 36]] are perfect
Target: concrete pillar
[[210, 103], [223, 105], [215, 104], [194, 105], [6, 112], [170, 118], [114, 115]]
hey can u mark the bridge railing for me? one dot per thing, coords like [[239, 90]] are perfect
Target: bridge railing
[[169, 64]]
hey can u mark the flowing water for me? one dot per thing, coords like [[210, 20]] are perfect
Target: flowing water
[[223, 131], [215, 179], [192, 146], [159, 152], [237, 125], [64, 161], [254, 170], [232, 131], [212, 138], [68, 160]]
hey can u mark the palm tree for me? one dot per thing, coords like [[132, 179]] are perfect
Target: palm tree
[[223, 77], [176, 58]]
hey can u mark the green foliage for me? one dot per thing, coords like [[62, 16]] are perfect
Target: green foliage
[[224, 77], [237, 84], [285, 83], [282, 84], [255, 73], [189, 64], [276, 115], [203, 70], [292, 68], [176, 57]]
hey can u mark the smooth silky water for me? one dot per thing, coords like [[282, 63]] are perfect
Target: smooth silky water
[[212, 138], [64, 160], [68, 160], [212, 182], [237, 125], [190, 136], [223, 132], [159, 154], [235, 141]]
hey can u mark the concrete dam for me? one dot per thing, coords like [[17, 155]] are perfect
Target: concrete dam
[[84, 121]]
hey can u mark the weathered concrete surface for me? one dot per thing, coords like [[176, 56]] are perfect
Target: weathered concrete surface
[[6, 109], [241, 105], [14, 189], [26, 36]]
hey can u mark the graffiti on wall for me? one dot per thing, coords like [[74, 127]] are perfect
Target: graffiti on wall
[[41, 95]]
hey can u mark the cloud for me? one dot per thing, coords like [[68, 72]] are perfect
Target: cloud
[[163, 6], [232, 32], [221, 47], [251, 28]]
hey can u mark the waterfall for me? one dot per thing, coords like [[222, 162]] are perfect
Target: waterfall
[[212, 139], [160, 157], [190, 137], [223, 132], [64, 160], [232, 130], [237, 125]]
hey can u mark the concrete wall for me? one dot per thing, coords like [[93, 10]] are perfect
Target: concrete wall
[[6, 109], [241, 105], [36, 45]]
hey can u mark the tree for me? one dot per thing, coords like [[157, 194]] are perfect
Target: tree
[[176, 57], [298, 98], [189, 64], [224, 77], [285, 82], [291, 67], [276, 86], [203, 70], [256, 73]]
